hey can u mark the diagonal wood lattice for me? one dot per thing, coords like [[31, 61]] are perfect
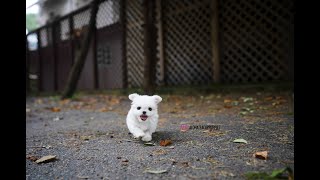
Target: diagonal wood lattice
[[134, 42], [187, 42], [43, 37], [186, 31], [255, 35], [255, 38], [64, 29]]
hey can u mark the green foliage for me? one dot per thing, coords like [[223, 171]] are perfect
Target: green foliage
[[31, 22], [276, 174]]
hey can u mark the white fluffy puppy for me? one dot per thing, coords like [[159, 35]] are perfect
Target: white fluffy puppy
[[142, 118]]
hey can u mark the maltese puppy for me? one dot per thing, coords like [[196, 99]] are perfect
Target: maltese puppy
[[142, 118]]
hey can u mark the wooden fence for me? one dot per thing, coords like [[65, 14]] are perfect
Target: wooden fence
[[198, 42]]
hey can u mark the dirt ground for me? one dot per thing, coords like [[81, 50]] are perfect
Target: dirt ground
[[89, 137]]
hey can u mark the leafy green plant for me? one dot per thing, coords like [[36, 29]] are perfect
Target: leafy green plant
[[275, 175]]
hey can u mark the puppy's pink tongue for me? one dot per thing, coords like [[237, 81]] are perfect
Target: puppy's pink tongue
[[143, 117]]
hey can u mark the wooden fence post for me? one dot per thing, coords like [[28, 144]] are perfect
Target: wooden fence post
[[160, 39], [27, 66], [123, 42], [95, 60], [215, 41], [149, 46], [39, 62], [71, 37], [55, 35]]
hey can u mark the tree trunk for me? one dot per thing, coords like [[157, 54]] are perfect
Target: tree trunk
[[149, 47], [80, 57]]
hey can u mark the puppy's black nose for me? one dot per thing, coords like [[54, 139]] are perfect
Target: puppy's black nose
[[144, 112]]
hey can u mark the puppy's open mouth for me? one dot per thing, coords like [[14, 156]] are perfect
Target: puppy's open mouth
[[143, 117]]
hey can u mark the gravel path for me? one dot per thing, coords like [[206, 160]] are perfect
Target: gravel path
[[90, 140]]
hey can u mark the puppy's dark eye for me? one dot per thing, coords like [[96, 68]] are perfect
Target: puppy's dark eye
[[139, 108], [150, 109]]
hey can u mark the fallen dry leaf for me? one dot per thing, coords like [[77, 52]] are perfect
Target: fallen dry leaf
[[261, 155], [66, 101], [85, 138], [235, 103], [149, 144], [47, 147], [104, 109], [114, 101], [211, 160], [243, 113], [55, 109], [227, 106], [173, 161], [227, 101], [185, 164], [39, 101], [240, 141], [156, 171], [57, 118], [193, 167], [159, 152], [165, 142], [268, 98], [247, 99], [46, 159], [32, 158], [83, 177], [173, 111], [275, 103]]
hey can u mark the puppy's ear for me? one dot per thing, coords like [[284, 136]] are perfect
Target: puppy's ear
[[132, 96], [157, 98]]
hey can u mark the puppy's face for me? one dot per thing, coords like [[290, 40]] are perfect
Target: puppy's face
[[144, 107]]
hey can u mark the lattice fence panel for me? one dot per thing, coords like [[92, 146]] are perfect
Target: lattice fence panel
[[64, 29], [108, 13], [49, 35], [187, 42], [159, 79], [43, 37], [255, 39], [134, 42], [81, 19], [109, 51], [158, 72]]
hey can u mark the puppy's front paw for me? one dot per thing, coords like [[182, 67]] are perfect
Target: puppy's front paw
[[138, 135], [147, 137]]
